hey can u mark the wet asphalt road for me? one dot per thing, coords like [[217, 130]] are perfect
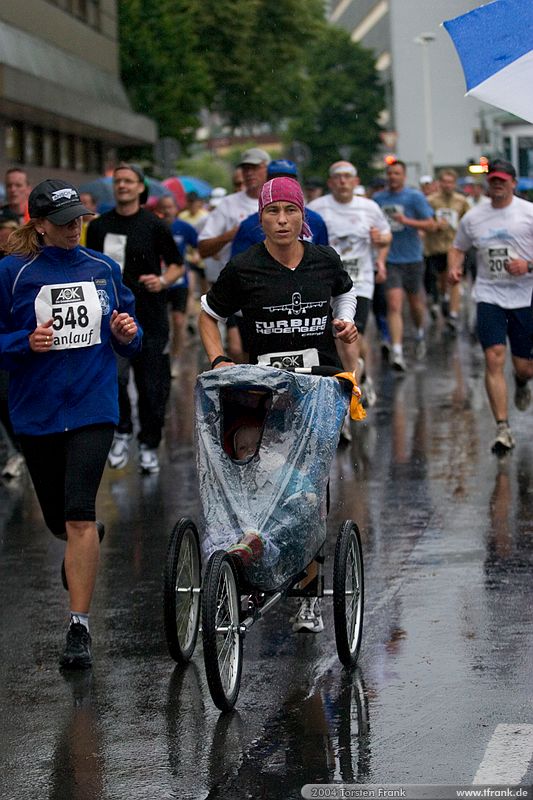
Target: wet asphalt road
[[445, 664]]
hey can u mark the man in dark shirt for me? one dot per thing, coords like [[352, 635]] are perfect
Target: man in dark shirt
[[140, 242]]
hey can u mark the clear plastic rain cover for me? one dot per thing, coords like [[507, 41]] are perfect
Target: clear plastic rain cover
[[266, 439]]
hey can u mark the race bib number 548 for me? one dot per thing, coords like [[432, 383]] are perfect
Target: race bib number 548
[[76, 312]]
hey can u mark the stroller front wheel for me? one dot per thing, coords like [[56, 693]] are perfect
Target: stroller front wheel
[[221, 634], [348, 593], [182, 591]]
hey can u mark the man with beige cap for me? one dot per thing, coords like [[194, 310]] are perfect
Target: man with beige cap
[[216, 236]]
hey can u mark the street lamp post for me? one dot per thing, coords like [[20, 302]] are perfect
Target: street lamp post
[[423, 40]]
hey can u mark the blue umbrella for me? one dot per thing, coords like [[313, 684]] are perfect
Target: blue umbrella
[[202, 188], [495, 47], [524, 184]]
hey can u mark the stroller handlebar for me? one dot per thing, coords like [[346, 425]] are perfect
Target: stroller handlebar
[[325, 372]]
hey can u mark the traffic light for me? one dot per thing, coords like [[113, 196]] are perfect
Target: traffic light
[[478, 169], [390, 159]]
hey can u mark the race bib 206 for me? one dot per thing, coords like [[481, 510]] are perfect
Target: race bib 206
[[76, 311]]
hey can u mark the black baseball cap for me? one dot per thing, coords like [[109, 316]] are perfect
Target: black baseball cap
[[501, 169], [57, 201]]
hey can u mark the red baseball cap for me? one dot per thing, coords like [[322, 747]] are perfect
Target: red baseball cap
[[501, 169]]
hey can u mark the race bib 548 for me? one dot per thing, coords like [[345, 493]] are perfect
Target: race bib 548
[[76, 311]]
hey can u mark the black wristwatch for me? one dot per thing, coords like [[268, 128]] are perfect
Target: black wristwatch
[[219, 360], [530, 266]]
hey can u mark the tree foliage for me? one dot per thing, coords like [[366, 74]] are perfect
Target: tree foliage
[[253, 62], [256, 54], [339, 116], [165, 74]]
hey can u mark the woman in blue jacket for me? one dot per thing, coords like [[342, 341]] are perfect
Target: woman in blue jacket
[[64, 312]]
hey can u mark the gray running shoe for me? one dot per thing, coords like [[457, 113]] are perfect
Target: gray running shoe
[[397, 362], [120, 451], [14, 466], [148, 460], [420, 348], [504, 440], [522, 394], [309, 617], [368, 392], [452, 325]]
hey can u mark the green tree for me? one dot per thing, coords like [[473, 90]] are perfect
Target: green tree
[[162, 68], [338, 117], [256, 54]]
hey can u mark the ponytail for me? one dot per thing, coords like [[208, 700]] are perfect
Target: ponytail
[[25, 241]]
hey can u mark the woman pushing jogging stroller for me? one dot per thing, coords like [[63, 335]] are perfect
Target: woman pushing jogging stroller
[[298, 305]]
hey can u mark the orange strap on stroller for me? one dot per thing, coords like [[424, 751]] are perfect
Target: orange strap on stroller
[[357, 411]]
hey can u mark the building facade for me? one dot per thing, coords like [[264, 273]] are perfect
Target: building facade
[[63, 108], [430, 122]]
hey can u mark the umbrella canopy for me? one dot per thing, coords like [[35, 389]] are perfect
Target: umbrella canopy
[[525, 184], [102, 190], [495, 46], [175, 186], [202, 188]]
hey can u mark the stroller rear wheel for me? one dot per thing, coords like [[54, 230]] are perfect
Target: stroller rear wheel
[[348, 593], [222, 638], [182, 591]]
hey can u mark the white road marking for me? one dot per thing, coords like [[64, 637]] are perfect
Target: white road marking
[[507, 755]]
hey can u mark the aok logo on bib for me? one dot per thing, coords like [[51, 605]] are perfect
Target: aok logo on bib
[[68, 294], [76, 312]]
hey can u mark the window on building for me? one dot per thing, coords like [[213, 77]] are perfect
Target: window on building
[[507, 148], [87, 11], [14, 142], [525, 156], [95, 160]]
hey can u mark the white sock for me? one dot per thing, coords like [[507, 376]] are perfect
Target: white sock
[[420, 333], [397, 349], [82, 619]]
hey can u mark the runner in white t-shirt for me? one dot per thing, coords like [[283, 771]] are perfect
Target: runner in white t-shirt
[[502, 233], [358, 230], [216, 236]]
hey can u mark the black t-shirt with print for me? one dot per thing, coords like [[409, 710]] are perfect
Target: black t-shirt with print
[[146, 241], [283, 309]]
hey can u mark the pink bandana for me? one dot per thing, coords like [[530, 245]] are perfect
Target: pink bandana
[[284, 190]]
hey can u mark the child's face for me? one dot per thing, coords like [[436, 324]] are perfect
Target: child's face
[[246, 441]]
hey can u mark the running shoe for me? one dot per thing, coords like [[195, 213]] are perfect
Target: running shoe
[[14, 466], [420, 348], [120, 451], [368, 392], [522, 394], [452, 325], [148, 460], [77, 653], [346, 430], [385, 348], [309, 617], [504, 440], [100, 527], [397, 362]]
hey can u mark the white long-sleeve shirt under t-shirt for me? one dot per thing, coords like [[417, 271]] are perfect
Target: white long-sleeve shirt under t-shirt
[[348, 227], [499, 235], [231, 211]]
